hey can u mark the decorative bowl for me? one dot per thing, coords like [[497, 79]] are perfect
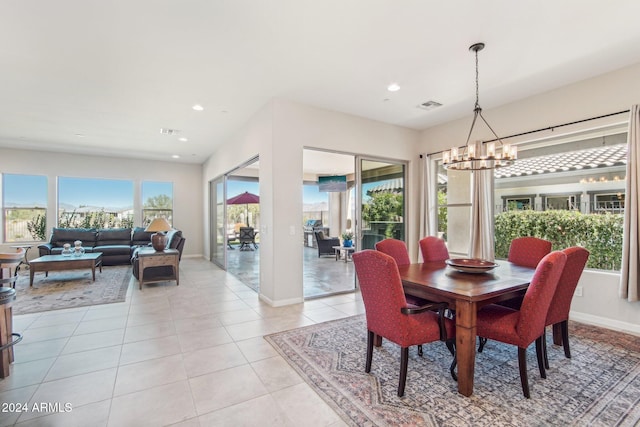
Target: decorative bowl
[[471, 265]]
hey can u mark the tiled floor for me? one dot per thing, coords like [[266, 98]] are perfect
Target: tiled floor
[[321, 275], [191, 355]]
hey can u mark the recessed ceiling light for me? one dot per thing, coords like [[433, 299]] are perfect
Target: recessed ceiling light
[[183, 139], [198, 107], [175, 156], [393, 87]]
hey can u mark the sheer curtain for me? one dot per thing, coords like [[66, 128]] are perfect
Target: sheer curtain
[[482, 245], [629, 286], [428, 201]]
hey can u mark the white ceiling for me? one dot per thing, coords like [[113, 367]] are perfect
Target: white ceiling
[[103, 76]]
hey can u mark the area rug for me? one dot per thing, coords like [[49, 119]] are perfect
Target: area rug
[[72, 288], [598, 386]]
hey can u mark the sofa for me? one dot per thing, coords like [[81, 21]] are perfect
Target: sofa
[[116, 244]]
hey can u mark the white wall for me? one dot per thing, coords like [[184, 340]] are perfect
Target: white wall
[[601, 95], [186, 178], [279, 133]]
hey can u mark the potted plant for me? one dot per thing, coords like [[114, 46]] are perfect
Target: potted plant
[[347, 239]]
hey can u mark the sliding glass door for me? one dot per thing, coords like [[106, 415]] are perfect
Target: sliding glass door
[[382, 201], [218, 224]]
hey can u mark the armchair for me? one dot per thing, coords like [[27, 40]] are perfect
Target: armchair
[[326, 244]]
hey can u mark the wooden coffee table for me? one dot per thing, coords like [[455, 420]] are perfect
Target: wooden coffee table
[[49, 263]]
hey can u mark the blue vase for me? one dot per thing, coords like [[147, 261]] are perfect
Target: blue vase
[[347, 243]]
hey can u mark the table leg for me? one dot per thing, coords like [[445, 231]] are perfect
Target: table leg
[[466, 345], [93, 271], [337, 254], [31, 273]]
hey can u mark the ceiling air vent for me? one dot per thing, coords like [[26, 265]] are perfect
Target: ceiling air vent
[[429, 105], [166, 131]]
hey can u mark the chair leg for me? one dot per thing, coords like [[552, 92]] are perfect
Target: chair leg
[[564, 325], [540, 356], [522, 364], [404, 361], [483, 341], [370, 338], [544, 349], [452, 349], [420, 350]]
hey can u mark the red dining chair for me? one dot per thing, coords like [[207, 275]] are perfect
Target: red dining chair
[[389, 316], [528, 251], [561, 303], [433, 249], [524, 326]]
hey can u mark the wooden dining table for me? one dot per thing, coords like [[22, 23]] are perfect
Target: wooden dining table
[[466, 293]]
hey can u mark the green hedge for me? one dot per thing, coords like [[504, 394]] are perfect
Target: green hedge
[[601, 234]]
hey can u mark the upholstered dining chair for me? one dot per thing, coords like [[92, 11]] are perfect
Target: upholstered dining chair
[[561, 303], [397, 249], [9, 263], [389, 316], [433, 249], [526, 325], [528, 251]]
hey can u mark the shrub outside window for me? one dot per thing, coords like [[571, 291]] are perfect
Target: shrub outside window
[[24, 208]]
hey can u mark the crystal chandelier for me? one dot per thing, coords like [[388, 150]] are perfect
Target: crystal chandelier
[[479, 156]]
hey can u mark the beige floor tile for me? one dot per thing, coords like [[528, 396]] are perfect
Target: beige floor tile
[[202, 339], [225, 388], [163, 405], [78, 391], [28, 373], [325, 314], [69, 365], [93, 414], [149, 349], [258, 411], [48, 333], [93, 341], [301, 404], [256, 349], [137, 319], [246, 330], [17, 396], [148, 374], [25, 352], [149, 331], [199, 323], [213, 359], [53, 318], [101, 325], [276, 373], [238, 316]]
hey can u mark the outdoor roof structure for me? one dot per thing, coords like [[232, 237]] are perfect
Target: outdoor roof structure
[[592, 158]]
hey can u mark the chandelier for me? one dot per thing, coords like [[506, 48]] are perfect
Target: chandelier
[[479, 156]]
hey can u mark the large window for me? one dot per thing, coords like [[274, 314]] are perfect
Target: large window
[[95, 203], [157, 201], [24, 207]]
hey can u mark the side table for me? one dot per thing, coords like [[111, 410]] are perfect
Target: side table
[[26, 251], [149, 257], [347, 252]]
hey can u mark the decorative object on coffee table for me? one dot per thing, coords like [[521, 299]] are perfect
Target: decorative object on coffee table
[[78, 250], [66, 250], [159, 226]]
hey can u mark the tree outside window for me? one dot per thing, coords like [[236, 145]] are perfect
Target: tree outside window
[[157, 201]]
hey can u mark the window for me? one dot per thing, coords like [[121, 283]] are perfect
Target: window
[[157, 201], [567, 202], [95, 203], [518, 203], [611, 202], [24, 208]]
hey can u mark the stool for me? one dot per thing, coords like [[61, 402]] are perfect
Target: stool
[[7, 337]]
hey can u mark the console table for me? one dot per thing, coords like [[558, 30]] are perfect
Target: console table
[[149, 257]]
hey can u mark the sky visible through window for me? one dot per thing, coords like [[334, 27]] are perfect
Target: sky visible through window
[[107, 193], [24, 190]]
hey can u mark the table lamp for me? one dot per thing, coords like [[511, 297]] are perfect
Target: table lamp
[[159, 239]]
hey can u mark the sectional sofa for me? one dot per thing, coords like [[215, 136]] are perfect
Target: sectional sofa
[[116, 244]]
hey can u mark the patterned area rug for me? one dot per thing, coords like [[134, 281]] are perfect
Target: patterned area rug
[[598, 386], [73, 288]]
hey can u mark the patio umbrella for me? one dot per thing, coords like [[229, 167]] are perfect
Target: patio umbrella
[[246, 199]]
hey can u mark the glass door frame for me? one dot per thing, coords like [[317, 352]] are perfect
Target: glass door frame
[[359, 159], [214, 221]]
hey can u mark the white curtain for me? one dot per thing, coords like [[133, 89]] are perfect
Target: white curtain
[[428, 199], [629, 286], [482, 245]]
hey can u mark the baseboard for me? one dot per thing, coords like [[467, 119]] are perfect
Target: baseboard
[[604, 322], [280, 303]]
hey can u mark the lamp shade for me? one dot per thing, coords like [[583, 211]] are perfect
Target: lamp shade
[[158, 224]]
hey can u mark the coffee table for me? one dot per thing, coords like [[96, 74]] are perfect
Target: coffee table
[[49, 263], [348, 250]]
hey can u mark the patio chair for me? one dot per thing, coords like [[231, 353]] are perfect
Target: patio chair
[[326, 244], [247, 239]]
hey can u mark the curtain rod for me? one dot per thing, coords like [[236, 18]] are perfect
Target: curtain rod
[[551, 128]]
